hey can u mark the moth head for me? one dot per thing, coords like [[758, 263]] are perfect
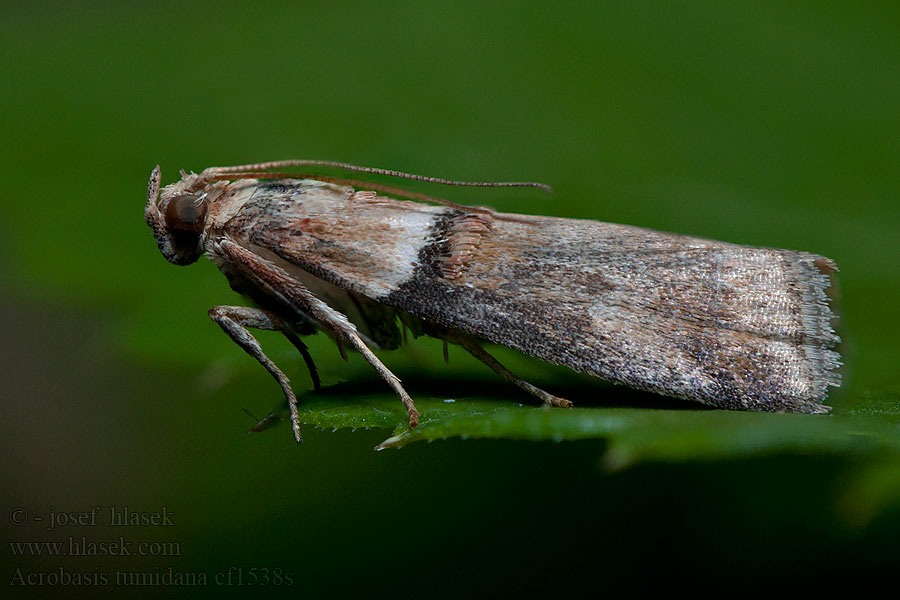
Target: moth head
[[177, 216]]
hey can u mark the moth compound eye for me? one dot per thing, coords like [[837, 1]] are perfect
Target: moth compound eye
[[187, 213]]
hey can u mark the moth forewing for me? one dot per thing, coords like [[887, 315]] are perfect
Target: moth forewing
[[730, 326]]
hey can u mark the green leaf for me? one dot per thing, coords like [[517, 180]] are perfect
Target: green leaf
[[634, 433]]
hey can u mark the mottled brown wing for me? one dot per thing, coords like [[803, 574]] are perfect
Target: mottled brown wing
[[730, 326]]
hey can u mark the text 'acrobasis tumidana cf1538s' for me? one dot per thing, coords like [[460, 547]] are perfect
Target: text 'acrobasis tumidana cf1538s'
[[730, 326]]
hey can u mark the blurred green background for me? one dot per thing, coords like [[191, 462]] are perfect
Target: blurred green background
[[763, 123]]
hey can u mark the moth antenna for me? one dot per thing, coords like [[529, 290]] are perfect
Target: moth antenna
[[388, 189], [281, 164]]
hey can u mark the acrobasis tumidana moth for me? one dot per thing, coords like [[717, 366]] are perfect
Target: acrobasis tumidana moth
[[730, 326]]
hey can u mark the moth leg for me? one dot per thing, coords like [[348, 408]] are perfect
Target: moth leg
[[234, 320], [257, 318], [293, 293], [473, 348], [303, 349], [391, 379]]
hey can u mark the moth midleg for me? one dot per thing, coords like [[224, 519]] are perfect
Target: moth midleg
[[303, 349], [257, 318], [234, 321], [293, 293], [473, 348]]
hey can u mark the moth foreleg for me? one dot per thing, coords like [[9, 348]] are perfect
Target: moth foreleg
[[257, 318], [295, 294], [234, 320], [473, 348]]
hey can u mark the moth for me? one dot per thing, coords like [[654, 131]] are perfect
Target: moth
[[729, 326]]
